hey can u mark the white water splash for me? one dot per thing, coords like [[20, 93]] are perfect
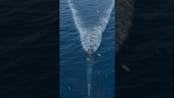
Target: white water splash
[[91, 37]]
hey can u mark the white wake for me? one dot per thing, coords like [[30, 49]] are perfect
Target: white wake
[[91, 37]]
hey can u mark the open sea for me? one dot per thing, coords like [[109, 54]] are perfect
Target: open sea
[[29, 49], [73, 66], [29, 53], [148, 52]]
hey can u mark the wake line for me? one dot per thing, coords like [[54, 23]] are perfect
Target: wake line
[[89, 77], [88, 34], [90, 37]]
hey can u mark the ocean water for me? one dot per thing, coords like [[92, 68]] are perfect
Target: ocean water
[[29, 49], [148, 52], [73, 83], [29, 57]]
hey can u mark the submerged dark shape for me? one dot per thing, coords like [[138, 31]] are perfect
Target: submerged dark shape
[[124, 14], [90, 53]]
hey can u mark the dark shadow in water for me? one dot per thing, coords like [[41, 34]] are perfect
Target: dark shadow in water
[[148, 52]]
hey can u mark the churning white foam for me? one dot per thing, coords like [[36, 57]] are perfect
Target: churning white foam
[[91, 37]]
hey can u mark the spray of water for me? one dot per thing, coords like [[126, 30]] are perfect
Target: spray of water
[[95, 33], [90, 37]]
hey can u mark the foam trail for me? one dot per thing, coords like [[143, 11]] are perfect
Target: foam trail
[[89, 77], [95, 33]]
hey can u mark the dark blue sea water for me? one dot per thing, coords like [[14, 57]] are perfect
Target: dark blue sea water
[[148, 52], [29, 49], [73, 59], [29, 53]]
